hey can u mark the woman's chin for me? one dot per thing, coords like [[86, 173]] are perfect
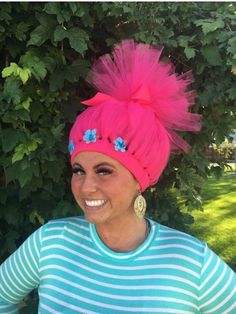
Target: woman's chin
[[94, 217]]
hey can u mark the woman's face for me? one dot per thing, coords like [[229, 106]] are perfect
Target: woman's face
[[104, 189]]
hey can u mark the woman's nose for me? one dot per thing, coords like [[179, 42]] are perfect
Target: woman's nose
[[89, 184]]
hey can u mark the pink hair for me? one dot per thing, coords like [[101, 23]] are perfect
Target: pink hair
[[142, 101]]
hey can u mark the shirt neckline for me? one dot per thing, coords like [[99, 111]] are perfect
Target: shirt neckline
[[122, 256]]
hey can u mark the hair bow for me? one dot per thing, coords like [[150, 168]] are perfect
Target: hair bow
[[142, 96]]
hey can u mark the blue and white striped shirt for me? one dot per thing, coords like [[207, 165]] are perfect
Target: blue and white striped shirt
[[171, 272]]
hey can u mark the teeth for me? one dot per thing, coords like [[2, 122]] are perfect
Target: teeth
[[94, 203]]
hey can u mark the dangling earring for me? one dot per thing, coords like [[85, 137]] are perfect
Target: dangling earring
[[140, 206]]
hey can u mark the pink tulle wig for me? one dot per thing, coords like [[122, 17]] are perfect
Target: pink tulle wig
[[134, 117]]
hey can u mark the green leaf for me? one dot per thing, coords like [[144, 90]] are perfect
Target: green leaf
[[183, 41], [189, 52], [24, 75], [33, 145], [21, 31], [52, 7], [63, 14], [39, 36], [44, 31], [9, 139], [12, 172], [5, 12], [23, 115], [79, 68], [73, 7], [60, 33], [34, 216], [127, 8], [54, 170], [210, 25], [57, 79], [78, 39], [40, 70], [37, 64], [212, 55], [26, 176], [12, 69], [12, 215], [26, 104], [25, 149], [18, 155], [57, 131], [12, 91]]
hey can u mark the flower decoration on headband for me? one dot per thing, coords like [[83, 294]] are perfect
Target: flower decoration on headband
[[120, 145], [71, 147], [90, 136]]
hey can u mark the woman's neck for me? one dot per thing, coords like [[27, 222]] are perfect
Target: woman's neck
[[125, 236]]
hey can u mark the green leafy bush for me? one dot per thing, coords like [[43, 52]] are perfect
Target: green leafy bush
[[222, 152], [44, 61]]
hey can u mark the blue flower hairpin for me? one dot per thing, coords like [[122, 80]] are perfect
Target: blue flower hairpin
[[120, 144], [71, 147], [90, 136]]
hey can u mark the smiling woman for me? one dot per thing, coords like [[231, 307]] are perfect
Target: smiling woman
[[103, 188], [114, 259], [106, 190]]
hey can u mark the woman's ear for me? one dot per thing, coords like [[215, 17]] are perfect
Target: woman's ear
[[138, 187]]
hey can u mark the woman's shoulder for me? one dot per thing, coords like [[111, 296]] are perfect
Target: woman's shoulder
[[60, 224], [68, 220], [172, 236]]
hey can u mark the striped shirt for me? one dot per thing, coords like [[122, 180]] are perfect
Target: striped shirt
[[74, 272]]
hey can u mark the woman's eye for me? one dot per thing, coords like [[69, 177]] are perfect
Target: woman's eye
[[78, 171]]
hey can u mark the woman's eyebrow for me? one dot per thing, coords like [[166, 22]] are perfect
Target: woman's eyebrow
[[102, 164], [77, 165]]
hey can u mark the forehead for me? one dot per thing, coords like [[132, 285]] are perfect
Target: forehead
[[93, 158]]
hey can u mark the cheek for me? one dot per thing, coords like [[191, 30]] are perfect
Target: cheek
[[75, 185], [126, 190]]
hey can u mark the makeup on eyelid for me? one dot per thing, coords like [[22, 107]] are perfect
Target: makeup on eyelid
[[99, 170]]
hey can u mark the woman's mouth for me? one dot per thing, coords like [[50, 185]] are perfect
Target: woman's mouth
[[94, 203]]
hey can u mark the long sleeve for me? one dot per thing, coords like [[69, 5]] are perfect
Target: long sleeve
[[19, 274], [217, 293]]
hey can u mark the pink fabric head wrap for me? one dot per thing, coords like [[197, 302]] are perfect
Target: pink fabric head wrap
[[133, 118]]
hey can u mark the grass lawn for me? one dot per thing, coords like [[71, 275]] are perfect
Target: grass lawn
[[216, 225]]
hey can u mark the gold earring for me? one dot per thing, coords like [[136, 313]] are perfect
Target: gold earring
[[140, 206]]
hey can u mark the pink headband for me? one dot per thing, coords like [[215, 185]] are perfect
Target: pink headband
[[134, 117]]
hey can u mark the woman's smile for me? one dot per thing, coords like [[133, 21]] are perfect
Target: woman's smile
[[94, 203], [104, 189]]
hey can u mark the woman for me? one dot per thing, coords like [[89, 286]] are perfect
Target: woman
[[113, 260]]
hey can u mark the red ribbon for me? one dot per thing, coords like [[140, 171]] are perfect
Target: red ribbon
[[142, 96]]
